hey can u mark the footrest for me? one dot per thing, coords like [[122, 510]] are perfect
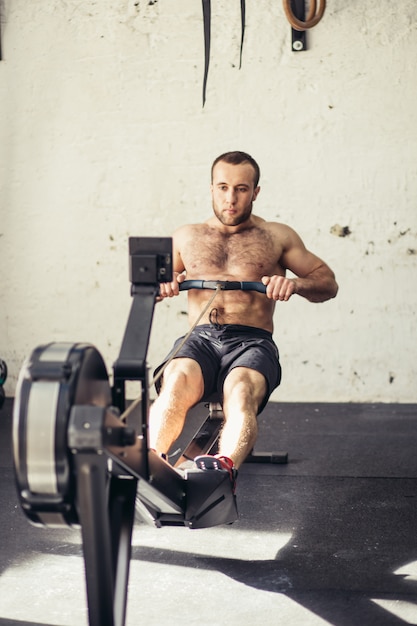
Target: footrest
[[267, 457], [210, 501]]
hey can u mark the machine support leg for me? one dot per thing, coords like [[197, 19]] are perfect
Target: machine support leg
[[96, 536], [106, 509], [122, 517]]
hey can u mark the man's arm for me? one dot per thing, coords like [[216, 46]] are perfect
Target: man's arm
[[314, 280]]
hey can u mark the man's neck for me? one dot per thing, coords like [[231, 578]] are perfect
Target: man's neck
[[214, 222]]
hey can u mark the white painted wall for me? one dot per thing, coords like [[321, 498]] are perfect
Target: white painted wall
[[103, 135]]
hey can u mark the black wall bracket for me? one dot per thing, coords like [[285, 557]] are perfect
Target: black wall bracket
[[298, 37]]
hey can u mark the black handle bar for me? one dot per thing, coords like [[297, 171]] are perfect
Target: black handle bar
[[223, 284]]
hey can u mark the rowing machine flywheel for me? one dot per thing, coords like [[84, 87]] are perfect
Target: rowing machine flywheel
[[55, 377]]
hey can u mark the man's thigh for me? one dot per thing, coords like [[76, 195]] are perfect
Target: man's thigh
[[259, 363], [196, 351]]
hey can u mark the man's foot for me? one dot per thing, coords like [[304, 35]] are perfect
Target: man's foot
[[161, 454], [186, 465], [218, 462]]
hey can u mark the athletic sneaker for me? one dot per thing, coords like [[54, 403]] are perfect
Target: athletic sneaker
[[218, 462]]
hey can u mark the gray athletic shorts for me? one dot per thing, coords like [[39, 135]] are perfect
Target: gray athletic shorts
[[219, 350]]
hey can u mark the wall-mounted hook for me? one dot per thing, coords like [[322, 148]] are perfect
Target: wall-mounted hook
[[295, 12]]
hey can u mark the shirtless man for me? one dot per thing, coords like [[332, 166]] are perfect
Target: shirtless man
[[231, 351]]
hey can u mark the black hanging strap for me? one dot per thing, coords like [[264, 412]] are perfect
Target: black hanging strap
[[242, 18], [207, 38], [207, 33]]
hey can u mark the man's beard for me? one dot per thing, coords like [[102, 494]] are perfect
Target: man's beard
[[233, 220]]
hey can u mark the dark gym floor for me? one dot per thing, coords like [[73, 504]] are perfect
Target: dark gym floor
[[329, 538]]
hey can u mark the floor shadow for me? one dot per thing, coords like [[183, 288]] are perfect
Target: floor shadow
[[13, 622], [349, 535]]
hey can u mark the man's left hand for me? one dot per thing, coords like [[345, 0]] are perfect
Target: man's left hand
[[279, 287]]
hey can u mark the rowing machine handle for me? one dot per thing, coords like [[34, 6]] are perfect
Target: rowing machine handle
[[223, 285]]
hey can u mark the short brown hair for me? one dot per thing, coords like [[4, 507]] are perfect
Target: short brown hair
[[236, 158]]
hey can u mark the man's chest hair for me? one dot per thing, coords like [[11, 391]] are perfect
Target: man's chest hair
[[210, 248]]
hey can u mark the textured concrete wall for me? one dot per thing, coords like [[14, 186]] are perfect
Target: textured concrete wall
[[103, 135]]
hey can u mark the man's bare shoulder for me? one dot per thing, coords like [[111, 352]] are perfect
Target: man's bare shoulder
[[275, 229], [186, 230]]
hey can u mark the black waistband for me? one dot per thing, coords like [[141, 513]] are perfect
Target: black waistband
[[233, 329]]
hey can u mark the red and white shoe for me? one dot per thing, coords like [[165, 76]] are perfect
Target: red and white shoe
[[218, 462]]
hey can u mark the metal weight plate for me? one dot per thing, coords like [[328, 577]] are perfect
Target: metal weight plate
[[54, 378]]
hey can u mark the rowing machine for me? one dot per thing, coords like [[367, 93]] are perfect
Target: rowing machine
[[81, 457]]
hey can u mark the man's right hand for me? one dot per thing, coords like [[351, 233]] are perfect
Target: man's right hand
[[168, 290]]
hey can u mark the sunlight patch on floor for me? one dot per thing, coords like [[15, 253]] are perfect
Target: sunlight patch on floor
[[54, 590], [406, 611], [214, 542]]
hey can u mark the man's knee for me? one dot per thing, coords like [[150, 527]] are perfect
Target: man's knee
[[184, 376], [245, 386]]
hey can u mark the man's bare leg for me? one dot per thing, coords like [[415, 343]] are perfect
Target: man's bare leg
[[243, 390], [182, 387]]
